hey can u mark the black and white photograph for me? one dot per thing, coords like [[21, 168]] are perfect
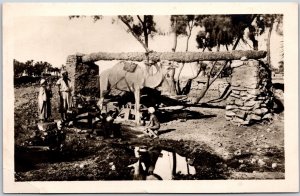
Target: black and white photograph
[[167, 94]]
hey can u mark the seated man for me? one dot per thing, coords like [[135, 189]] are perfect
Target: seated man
[[154, 124]]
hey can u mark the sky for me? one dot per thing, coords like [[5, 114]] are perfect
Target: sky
[[53, 38]]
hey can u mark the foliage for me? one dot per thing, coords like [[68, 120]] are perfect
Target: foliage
[[183, 25], [19, 67], [141, 27], [225, 29], [32, 68], [268, 21], [179, 24], [222, 29]]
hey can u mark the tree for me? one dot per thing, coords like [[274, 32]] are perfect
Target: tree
[[233, 32], [182, 25], [19, 68], [267, 21], [178, 26], [222, 30], [40, 66], [141, 27], [29, 67], [191, 23]]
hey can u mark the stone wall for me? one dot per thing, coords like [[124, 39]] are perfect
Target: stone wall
[[84, 76], [251, 98]]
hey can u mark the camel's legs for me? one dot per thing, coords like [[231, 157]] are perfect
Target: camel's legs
[[137, 105]]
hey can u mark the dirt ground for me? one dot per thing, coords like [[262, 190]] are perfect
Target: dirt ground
[[217, 148]]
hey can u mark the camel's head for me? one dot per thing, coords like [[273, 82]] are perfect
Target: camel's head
[[168, 67], [169, 64]]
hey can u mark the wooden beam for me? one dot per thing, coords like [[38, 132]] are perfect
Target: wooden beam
[[175, 56]]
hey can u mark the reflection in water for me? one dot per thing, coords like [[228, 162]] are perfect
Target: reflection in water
[[156, 164]]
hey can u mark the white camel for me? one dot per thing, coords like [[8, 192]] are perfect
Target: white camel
[[128, 76]]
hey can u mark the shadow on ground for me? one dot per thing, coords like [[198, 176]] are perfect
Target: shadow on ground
[[169, 115]]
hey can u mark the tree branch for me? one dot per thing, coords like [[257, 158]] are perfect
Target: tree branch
[[140, 19], [191, 26], [136, 37], [209, 83]]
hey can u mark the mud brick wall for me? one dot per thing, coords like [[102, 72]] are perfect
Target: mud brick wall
[[84, 76], [251, 98]]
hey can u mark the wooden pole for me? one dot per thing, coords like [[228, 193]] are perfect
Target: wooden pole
[[183, 57]]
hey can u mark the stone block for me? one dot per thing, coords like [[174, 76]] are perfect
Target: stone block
[[268, 116], [243, 93], [263, 105], [239, 102], [251, 96], [234, 86], [247, 98], [238, 88], [241, 114], [254, 117], [245, 122], [254, 92], [229, 113], [253, 85], [250, 103], [258, 112], [246, 108], [231, 107], [235, 96], [264, 110], [257, 105], [238, 120], [230, 101], [261, 98], [236, 92], [228, 118]]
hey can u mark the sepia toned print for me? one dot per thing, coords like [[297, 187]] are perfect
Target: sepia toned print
[[169, 97]]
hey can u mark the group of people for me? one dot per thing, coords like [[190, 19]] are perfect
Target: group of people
[[45, 95], [65, 103]]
